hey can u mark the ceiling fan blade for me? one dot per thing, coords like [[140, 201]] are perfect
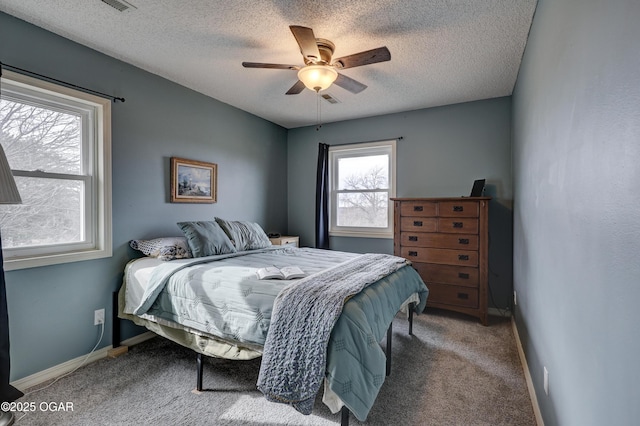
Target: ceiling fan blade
[[296, 88], [272, 66], [307, 42], [381, 54], [349, 84]]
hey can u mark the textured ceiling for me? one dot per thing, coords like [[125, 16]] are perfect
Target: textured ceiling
[[442, 51]]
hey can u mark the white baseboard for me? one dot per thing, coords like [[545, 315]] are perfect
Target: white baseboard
[[61, 369], [527, 375]]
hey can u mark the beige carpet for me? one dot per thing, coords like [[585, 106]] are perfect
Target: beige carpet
[[453, 371]]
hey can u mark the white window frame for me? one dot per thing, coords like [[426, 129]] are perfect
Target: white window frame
[[361, 150], [97, 242]]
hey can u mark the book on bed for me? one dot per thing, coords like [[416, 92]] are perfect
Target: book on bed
[[285, 273]]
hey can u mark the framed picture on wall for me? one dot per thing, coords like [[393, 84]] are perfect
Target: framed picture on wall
[[193, 181]]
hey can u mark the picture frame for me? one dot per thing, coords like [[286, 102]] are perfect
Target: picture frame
[[193, 181]]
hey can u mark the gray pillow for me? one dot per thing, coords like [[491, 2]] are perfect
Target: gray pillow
[[245, 235], [206, 238]]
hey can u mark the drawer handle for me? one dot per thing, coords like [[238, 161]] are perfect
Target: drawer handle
[[463, 257], [413, 238], [417, 223], [413, 253], [464, 296], [458, 208], [463, 241], [457, 224], [463, 275], [417, 208]]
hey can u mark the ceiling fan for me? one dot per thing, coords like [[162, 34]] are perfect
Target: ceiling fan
[[320, 71]]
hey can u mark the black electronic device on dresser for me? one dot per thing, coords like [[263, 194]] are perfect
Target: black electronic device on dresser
[[478, 188]]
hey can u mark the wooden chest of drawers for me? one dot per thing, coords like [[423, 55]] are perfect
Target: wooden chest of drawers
[[447, 241]]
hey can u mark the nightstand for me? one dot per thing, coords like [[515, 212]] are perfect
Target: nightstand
[[286, 240]]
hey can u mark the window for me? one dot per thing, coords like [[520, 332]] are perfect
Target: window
[[58, 143], [361, 181]]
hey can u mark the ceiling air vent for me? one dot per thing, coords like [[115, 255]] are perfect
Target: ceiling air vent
[[327, 97], [118, 5]]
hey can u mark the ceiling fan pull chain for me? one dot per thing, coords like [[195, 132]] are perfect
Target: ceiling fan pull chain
[[318, 114]]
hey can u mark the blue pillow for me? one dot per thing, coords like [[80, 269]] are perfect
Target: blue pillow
[[245, 235], [206, 238]]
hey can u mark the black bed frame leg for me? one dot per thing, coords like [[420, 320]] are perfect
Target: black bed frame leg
[[344, 416], [116, 339], [388, 351], [412, 306], [115, 325], [200, 368]]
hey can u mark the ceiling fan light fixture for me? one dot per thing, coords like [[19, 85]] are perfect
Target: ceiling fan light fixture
[[317, 77]]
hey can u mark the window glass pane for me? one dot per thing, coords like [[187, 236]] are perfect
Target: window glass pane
[[51, 213], [367, 172], [41, 138], [363, 209]]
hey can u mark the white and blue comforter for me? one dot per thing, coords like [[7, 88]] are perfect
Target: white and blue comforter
[[221, 295]]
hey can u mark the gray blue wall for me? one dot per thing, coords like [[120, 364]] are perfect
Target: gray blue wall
[[576, 169], [51, 308], [442, 151]]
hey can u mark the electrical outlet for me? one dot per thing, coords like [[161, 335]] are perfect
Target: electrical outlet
[[515, 299], [546, 380], [98, 317]]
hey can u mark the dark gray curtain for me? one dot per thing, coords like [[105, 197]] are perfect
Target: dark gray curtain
[[322, 198], [7, 392]]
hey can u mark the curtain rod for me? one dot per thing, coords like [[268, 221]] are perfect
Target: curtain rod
[[399, 138], [51, 79]]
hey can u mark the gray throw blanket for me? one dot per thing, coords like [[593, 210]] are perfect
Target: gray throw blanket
[[304, 313]]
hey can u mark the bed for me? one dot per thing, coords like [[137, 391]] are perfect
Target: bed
[[216, 305]]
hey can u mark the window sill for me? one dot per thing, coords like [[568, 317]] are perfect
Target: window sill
[[355, 234], [54, 259]]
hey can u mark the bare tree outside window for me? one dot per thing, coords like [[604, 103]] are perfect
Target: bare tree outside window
[[47, 143], [362, 208]]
